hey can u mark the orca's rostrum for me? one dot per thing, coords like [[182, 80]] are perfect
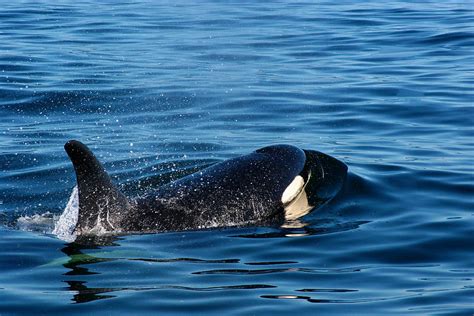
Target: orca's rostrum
[[271, 185]]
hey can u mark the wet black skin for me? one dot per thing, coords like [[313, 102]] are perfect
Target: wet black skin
[[242, 191]]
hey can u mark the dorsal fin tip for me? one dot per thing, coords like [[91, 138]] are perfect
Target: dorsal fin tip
[[99, 198], [73, 146]]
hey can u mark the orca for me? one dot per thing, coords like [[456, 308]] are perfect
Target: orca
[[270, 186]]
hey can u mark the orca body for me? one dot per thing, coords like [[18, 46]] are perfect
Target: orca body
[[271, 185]]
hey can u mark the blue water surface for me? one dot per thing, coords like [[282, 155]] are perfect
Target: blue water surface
[[161, 88]]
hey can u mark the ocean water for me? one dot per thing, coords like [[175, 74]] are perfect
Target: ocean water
[[159, 89]]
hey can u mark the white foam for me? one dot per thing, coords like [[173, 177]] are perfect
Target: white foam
[[64, 227], [36, 223]]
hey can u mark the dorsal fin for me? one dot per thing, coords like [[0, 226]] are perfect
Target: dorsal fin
[[100, 202]]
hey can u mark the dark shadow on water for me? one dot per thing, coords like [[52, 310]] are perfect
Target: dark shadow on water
[[192, 260], [77, 259], [84, 293], [327, 290], [282, 270]]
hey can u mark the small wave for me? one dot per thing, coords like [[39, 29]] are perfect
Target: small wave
[[36, 223], [447, 38]]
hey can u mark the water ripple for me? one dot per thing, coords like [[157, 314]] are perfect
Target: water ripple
[[159, 90]]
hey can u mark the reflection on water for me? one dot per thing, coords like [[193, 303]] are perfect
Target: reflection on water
[[78, 259], [86, 294], [310, 299], [83, 255], [186, 260], [317, 228]]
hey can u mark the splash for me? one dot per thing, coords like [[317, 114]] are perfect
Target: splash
[[64, 227], [36, 223]]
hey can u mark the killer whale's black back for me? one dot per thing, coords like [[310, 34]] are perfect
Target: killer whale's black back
[[246, 190]]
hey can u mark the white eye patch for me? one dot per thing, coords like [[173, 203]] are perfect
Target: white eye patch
[[293, 190], [295, 200]]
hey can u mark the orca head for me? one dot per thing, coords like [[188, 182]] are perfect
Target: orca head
[[320, 180]]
